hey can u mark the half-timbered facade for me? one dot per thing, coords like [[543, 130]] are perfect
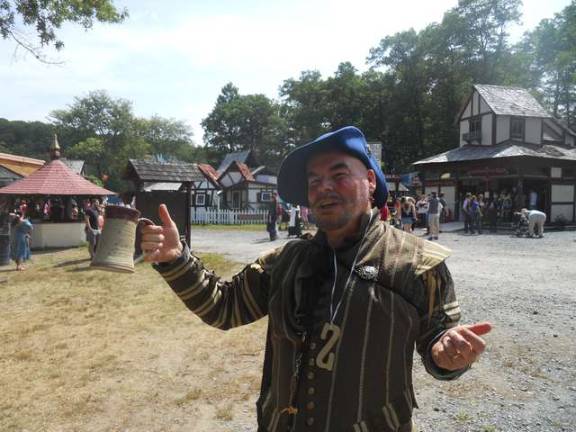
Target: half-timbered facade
[[508, 144]]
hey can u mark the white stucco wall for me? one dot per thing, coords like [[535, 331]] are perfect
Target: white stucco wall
[[464, 128], [562, 193], [484, 108], [502, 128], [58, 235], [533, 130], [475, 97], [487, 129]]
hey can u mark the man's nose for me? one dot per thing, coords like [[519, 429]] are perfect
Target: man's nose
[[325, 184]]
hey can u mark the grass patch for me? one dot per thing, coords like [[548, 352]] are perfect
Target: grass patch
[[89, 350]]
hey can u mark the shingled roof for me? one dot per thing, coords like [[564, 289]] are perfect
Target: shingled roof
[[509, 149], [244, 157], [512, 101], [54, 178], [148, 171]]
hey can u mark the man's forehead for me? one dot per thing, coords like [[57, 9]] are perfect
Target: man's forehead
[[331, 160]]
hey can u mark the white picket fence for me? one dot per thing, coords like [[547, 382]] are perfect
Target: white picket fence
[[202, 216]]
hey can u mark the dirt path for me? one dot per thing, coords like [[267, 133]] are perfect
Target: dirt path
[[526, 380]]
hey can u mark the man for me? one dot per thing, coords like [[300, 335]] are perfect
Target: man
[[467, 214], [92, 228], [536, 220], [345, 308], [434, 209]]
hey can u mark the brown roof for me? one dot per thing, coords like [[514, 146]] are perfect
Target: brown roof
[[242, 168], [54, 178], [20, 164], [508, 149], [210, 173], [149, 171]]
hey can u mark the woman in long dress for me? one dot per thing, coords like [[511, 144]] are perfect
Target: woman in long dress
[[20, 243]]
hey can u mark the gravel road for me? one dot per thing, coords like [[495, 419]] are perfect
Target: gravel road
[[526, 380]]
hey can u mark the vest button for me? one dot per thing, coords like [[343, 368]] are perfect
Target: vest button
[[310, 421]]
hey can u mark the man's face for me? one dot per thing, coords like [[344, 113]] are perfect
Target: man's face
[[339, 191]]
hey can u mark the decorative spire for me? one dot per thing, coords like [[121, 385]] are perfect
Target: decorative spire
[[55, 149]]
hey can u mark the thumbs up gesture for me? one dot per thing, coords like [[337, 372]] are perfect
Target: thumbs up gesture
[[161, 243], [460, 346]]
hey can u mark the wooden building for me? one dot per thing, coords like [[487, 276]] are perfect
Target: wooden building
[[508, 144]]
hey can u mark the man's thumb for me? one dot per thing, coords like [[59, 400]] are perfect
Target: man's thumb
[[480, 328], [165, 215]]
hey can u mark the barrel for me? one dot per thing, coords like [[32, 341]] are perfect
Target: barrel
[[4, 249]]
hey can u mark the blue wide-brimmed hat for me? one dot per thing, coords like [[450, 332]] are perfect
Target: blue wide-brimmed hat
[[292, 181]]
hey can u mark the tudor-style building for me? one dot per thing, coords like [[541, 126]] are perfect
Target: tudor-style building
[[508, 143]]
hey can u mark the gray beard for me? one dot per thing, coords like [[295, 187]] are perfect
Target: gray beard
[[330, 224]]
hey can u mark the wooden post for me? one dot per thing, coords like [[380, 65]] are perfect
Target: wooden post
[[187, 213]]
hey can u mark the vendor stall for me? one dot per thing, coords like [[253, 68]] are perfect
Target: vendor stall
[[53, 199]]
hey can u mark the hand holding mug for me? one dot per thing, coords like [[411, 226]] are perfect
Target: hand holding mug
[[161, 243]]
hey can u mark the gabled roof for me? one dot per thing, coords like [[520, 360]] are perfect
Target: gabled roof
[[512, 101], [54, 178], [210, 173], [75, 165], [508, 149], [242, 168], [148, 171], [20, 164], [244, 157]]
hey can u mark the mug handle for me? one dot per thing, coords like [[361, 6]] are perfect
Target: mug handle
[[142, 222]]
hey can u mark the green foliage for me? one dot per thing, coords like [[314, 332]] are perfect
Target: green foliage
[[31, 139], [246, 122], [45, 17]]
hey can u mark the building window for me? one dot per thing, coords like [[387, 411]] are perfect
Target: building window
[[475, 130], [200, 199], [266, 196], [517, 128]]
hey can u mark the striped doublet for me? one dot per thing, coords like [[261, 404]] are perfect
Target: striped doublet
[[350, 374]]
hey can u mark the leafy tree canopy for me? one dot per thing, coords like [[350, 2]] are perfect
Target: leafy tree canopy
[[47, 16]]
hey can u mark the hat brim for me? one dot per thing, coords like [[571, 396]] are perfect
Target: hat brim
[[292, 178]]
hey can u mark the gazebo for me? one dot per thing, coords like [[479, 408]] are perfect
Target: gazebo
[[55, 180]]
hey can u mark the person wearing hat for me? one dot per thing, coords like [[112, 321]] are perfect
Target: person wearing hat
[[345, 308]]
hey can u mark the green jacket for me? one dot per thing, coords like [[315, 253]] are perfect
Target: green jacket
[[342, 324]]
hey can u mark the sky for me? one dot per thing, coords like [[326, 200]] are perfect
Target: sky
[[172, 58]]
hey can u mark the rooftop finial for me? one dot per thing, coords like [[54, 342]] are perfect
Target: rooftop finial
[[55, 149]]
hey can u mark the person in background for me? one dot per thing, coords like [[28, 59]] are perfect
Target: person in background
[[271, 218], [92, 230], [20, 241], [482, 207], [434, 209], [422, 211], [407, 214], [475, 215], [444, 211], [466, 212], [304, 212], [536, 221], [384, 213]]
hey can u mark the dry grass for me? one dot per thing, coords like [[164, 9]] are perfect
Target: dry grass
[[85, 350]]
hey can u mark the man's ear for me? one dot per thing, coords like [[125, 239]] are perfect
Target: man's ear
[[371, 181]]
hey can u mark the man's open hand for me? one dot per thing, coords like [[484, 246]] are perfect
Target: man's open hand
[[460, 346], [161, 243]]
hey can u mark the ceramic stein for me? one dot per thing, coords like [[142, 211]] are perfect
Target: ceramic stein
[[115, 250]]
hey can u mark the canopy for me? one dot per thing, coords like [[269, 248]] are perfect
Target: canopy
[[54, 178]]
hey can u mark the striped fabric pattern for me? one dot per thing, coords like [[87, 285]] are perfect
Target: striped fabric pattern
[[355, 373]]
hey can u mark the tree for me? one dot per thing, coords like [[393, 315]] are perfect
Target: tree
[[103, 131], [47, 16], [168, 137], [551, 47], [246, 122]]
